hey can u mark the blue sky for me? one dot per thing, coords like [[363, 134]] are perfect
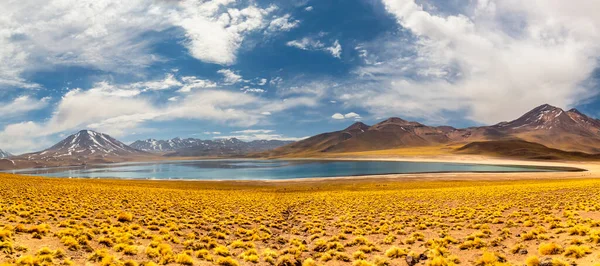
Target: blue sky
[[284, 70]]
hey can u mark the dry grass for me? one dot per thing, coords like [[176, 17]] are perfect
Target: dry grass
[[361, 222]]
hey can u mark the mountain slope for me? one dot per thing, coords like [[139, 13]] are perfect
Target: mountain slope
[[4, 154], [85, 144], [553, 127], [547, 125], [154, 145], [523, 150], [391, 133], [227, 147]]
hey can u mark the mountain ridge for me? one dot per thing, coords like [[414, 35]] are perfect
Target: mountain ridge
[[546, 124]]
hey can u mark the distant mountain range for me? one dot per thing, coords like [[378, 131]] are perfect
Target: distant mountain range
[[546, 132], [90, 147], [198, 147], [552, 127]]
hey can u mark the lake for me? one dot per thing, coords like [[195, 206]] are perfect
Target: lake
[[268, 169]]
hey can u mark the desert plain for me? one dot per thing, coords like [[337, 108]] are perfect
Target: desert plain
[[408, 219]]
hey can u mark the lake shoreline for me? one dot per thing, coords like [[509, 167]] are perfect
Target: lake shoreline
[[565, 170]]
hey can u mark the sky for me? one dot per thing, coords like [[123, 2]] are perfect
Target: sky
[[286, 70]]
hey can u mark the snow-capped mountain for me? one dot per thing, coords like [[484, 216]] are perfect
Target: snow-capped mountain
[[547, 117], [86, 143], [4, 154], [154, 145], [199, 147]]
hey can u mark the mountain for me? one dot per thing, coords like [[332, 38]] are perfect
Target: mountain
[[83, 146], [551, 126], [4, 154], [228, 147], [153, 145], [547, 125], [523, 150], [198, 147], [390, 133]]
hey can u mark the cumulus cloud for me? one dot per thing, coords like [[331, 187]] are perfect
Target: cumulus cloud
[[230, 77], [310, 44], [215, 30], [111, 35], [22, 105], [351, 115], [284, 23], [494, 60]]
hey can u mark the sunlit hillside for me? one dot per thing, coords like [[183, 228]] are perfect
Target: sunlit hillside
[[109, 222]]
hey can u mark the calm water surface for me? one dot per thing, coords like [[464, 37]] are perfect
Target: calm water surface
[[266, 169]]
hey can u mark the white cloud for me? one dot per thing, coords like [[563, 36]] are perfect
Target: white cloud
[[120, 109], [494, 60], [253, 131], [169, 82], [310, 44], [191, 82], [335, 49], [284, 23], [306, 44], [111, 35], [216, 29], [309, 8], [63, 33], [351, 115], [338, 116], [248, 89], [22, 105], [212, 133], [262, 82], [259, 134], [230, 77]]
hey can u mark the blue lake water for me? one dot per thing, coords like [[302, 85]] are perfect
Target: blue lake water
[[267, 169]]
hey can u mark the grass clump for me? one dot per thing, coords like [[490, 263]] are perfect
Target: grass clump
[[577, 251], [550, 249]]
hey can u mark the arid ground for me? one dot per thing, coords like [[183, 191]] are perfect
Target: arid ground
[[428, 219]]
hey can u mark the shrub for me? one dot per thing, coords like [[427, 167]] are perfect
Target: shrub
[[309, 262], [395, 252], [550, 249], [359, 255], [27, 260], [227, 261], [70, 242], [361, 263], [125, 217], [221, 250], [130, 250], [288, 260], [577, 251], [532, 261], [203, 254], [184, 259], [490, 259], [381, 261]]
